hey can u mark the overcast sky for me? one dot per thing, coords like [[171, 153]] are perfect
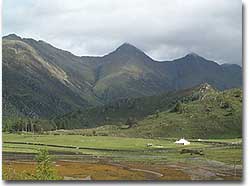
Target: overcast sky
[[164, 29]]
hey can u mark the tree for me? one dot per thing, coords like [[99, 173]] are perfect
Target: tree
[[177, 108], [131, 122], [157, 113], [44, 168]]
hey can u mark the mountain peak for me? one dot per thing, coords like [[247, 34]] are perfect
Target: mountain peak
[[12, 37], [127, 46], [127, 49], [193, 55]]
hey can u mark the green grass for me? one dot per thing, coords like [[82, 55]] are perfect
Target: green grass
[[22, 148], [102, 142], [226, 155], [125, 149]]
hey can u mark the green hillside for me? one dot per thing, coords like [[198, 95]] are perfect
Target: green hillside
[[119, 112], [213, 115], [217, 115], [199, 112]]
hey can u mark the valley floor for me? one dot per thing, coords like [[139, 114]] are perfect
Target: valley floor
[[77, 157]]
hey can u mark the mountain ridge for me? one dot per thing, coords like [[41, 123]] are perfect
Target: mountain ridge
[[121, 46], [84, 81]]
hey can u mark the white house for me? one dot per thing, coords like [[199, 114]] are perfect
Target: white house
[[182, 141]]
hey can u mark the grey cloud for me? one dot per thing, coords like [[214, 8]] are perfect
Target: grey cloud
[[164, 29]]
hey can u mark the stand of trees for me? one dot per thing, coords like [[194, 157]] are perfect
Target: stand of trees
[[19, 124]]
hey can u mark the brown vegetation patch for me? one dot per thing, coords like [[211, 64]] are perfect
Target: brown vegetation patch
[[168, 173]]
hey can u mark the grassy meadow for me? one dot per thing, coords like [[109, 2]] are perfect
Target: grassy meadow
[[116, 158], [130, 149]]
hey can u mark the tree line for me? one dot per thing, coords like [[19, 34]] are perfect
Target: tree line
[[23, 124]]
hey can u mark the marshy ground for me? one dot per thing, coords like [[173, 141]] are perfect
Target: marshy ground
[[77, 157]]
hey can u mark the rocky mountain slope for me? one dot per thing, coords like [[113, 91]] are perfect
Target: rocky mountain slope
[[40, 80]]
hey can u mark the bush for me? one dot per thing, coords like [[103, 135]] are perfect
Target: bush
[[44, 168], [131, 122], [177, 108], [224, 105]]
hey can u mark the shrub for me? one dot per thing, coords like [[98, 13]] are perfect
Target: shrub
[[177, 108], [44, 168], [224, 105]]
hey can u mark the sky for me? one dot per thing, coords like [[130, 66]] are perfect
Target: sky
[[163, 29]]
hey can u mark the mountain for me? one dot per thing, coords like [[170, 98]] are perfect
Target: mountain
[[34, 87], [128, 72], [40, 80], [202, 112], [120, 111]]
